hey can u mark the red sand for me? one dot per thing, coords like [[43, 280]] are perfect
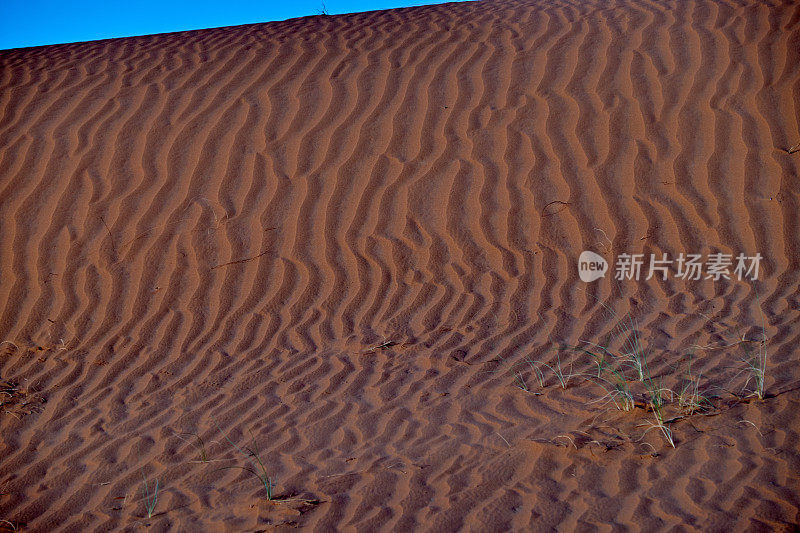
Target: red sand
[[342, 238]]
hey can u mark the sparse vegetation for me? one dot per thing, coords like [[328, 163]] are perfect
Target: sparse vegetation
[[382, 346], [756, 361], [599, 360], [660, 425], [656, 401], [754, 366], [18, 401], [199, 444], [633, 356], [150, 499], [690, 399], [258, 468], [556, 368], [618, 390], [11, 526], [626, 378], [536, 372], [563, 378], [521, 381]]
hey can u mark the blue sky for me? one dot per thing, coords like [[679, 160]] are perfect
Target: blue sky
[[37, 22]]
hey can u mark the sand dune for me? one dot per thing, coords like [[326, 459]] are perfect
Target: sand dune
[[340, 239]]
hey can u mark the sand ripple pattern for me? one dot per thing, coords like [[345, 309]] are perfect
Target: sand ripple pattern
[[340, 237]]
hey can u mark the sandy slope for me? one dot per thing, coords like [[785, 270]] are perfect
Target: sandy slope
[[342, 238]]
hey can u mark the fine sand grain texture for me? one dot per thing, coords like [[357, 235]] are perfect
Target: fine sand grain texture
[[332, 258]]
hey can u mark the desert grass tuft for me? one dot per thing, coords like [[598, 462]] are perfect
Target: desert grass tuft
[[690, 399], [561, 375], [150, 499], [257, 468], [758, 365], [755, 366], [568, 438], [520, 380], [519, 376], [656, 399], [11, 526], [622, 371], [536, 372], [633, 355], [618, 391], [660, 425], [200, 445], [754, 362], [599, 359]]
